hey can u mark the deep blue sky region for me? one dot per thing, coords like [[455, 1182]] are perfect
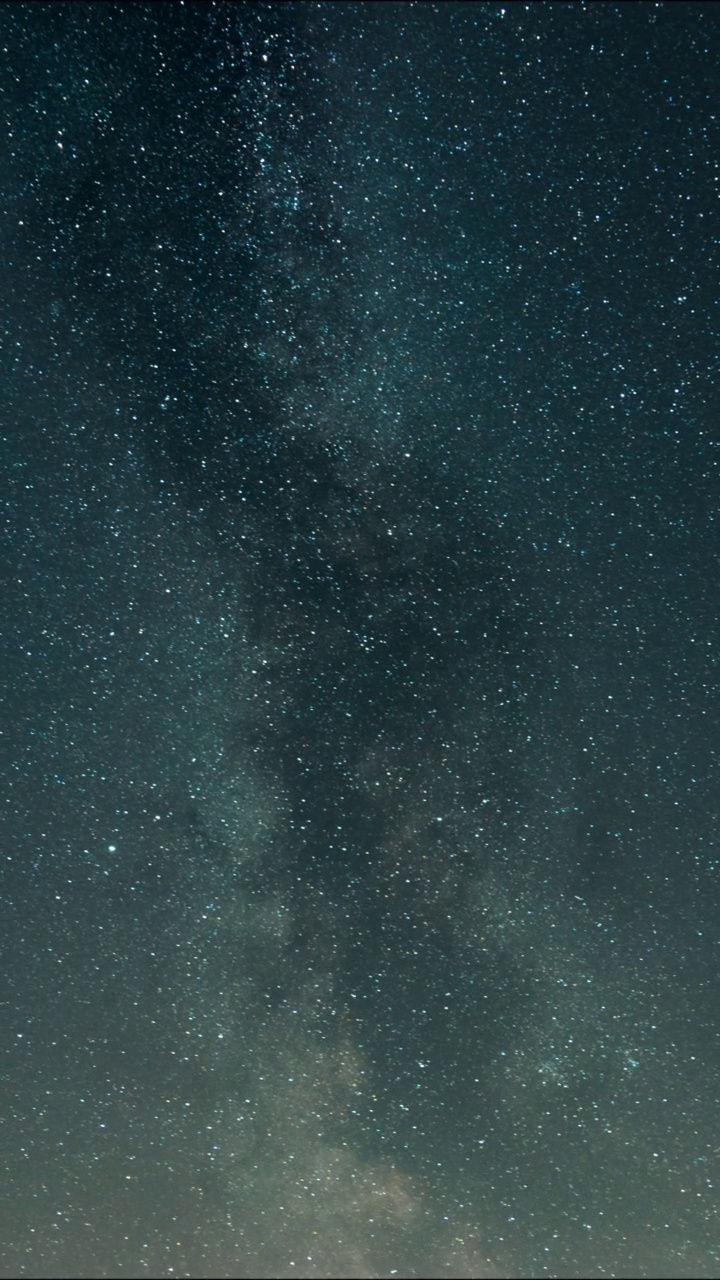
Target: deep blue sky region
[[360, 829]]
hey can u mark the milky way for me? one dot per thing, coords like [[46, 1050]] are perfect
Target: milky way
[[360, 488]]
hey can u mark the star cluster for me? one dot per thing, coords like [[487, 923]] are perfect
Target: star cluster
[[360, 512]]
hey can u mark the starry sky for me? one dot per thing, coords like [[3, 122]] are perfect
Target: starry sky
[[361, 839]]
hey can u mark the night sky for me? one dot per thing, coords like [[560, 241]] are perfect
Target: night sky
[[361, 766]]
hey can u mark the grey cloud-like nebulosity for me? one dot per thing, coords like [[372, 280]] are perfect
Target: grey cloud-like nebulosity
[[360, 640]]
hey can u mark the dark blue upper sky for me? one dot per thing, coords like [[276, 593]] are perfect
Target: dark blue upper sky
[[360, 485]]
